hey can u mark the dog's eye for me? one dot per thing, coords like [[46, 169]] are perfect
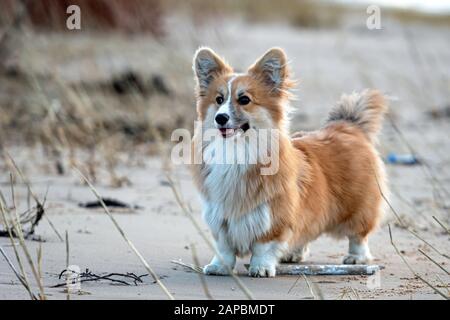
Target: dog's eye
[[244, 100], [219, 100]]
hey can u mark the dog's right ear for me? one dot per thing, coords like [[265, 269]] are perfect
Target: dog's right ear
[[208, 65]]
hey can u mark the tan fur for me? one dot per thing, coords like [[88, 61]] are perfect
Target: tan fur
[[328, 180], [365, 109]]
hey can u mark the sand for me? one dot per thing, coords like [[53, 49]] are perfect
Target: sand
[[162, 233]]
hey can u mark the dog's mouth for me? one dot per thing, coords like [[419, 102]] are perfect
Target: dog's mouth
[[229, 132]]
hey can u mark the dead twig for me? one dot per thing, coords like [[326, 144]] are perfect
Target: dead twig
[[89, 276], [39, 205], [31, 216], [189, 266]]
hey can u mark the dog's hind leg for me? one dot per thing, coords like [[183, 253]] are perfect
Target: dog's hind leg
[[358, 250]]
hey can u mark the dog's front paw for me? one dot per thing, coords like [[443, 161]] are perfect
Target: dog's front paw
[[261, 270], [356, 259], [216, 269]]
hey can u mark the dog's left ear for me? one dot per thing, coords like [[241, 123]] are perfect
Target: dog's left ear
[[207, 65], [272, 70]]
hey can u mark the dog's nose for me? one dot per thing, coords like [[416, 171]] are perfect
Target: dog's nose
[[222, 118]]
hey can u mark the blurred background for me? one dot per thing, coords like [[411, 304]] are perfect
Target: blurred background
[[96, 96]]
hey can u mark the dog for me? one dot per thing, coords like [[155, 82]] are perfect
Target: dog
[[330, 181]]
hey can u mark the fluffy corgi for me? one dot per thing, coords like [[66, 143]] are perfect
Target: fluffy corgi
[[327, 181]]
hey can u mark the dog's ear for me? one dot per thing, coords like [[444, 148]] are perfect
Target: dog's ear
[[207, 65], [272, 70]]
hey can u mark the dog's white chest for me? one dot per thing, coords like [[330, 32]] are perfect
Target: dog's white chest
[[225, 207], [225, 181], [239, 231]]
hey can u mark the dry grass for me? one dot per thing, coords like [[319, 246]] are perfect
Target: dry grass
[[95, 117], [418, 276], [12, 223], [87, 128]]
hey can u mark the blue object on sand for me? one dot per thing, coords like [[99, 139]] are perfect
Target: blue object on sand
[[406, 159]]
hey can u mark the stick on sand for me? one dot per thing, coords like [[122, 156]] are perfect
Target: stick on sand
[[326, 269]]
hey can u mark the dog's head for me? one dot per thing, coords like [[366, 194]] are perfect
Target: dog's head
[[231, 102]]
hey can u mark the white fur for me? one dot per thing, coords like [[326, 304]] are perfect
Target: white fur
[[244, 230], [254, 146], [226, 106], [218, 264], [358, 251], [208, 123], [237, 235], [240, 232], [234, 224]]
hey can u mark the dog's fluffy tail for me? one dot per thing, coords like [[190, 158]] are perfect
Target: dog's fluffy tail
[[364, 109]]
